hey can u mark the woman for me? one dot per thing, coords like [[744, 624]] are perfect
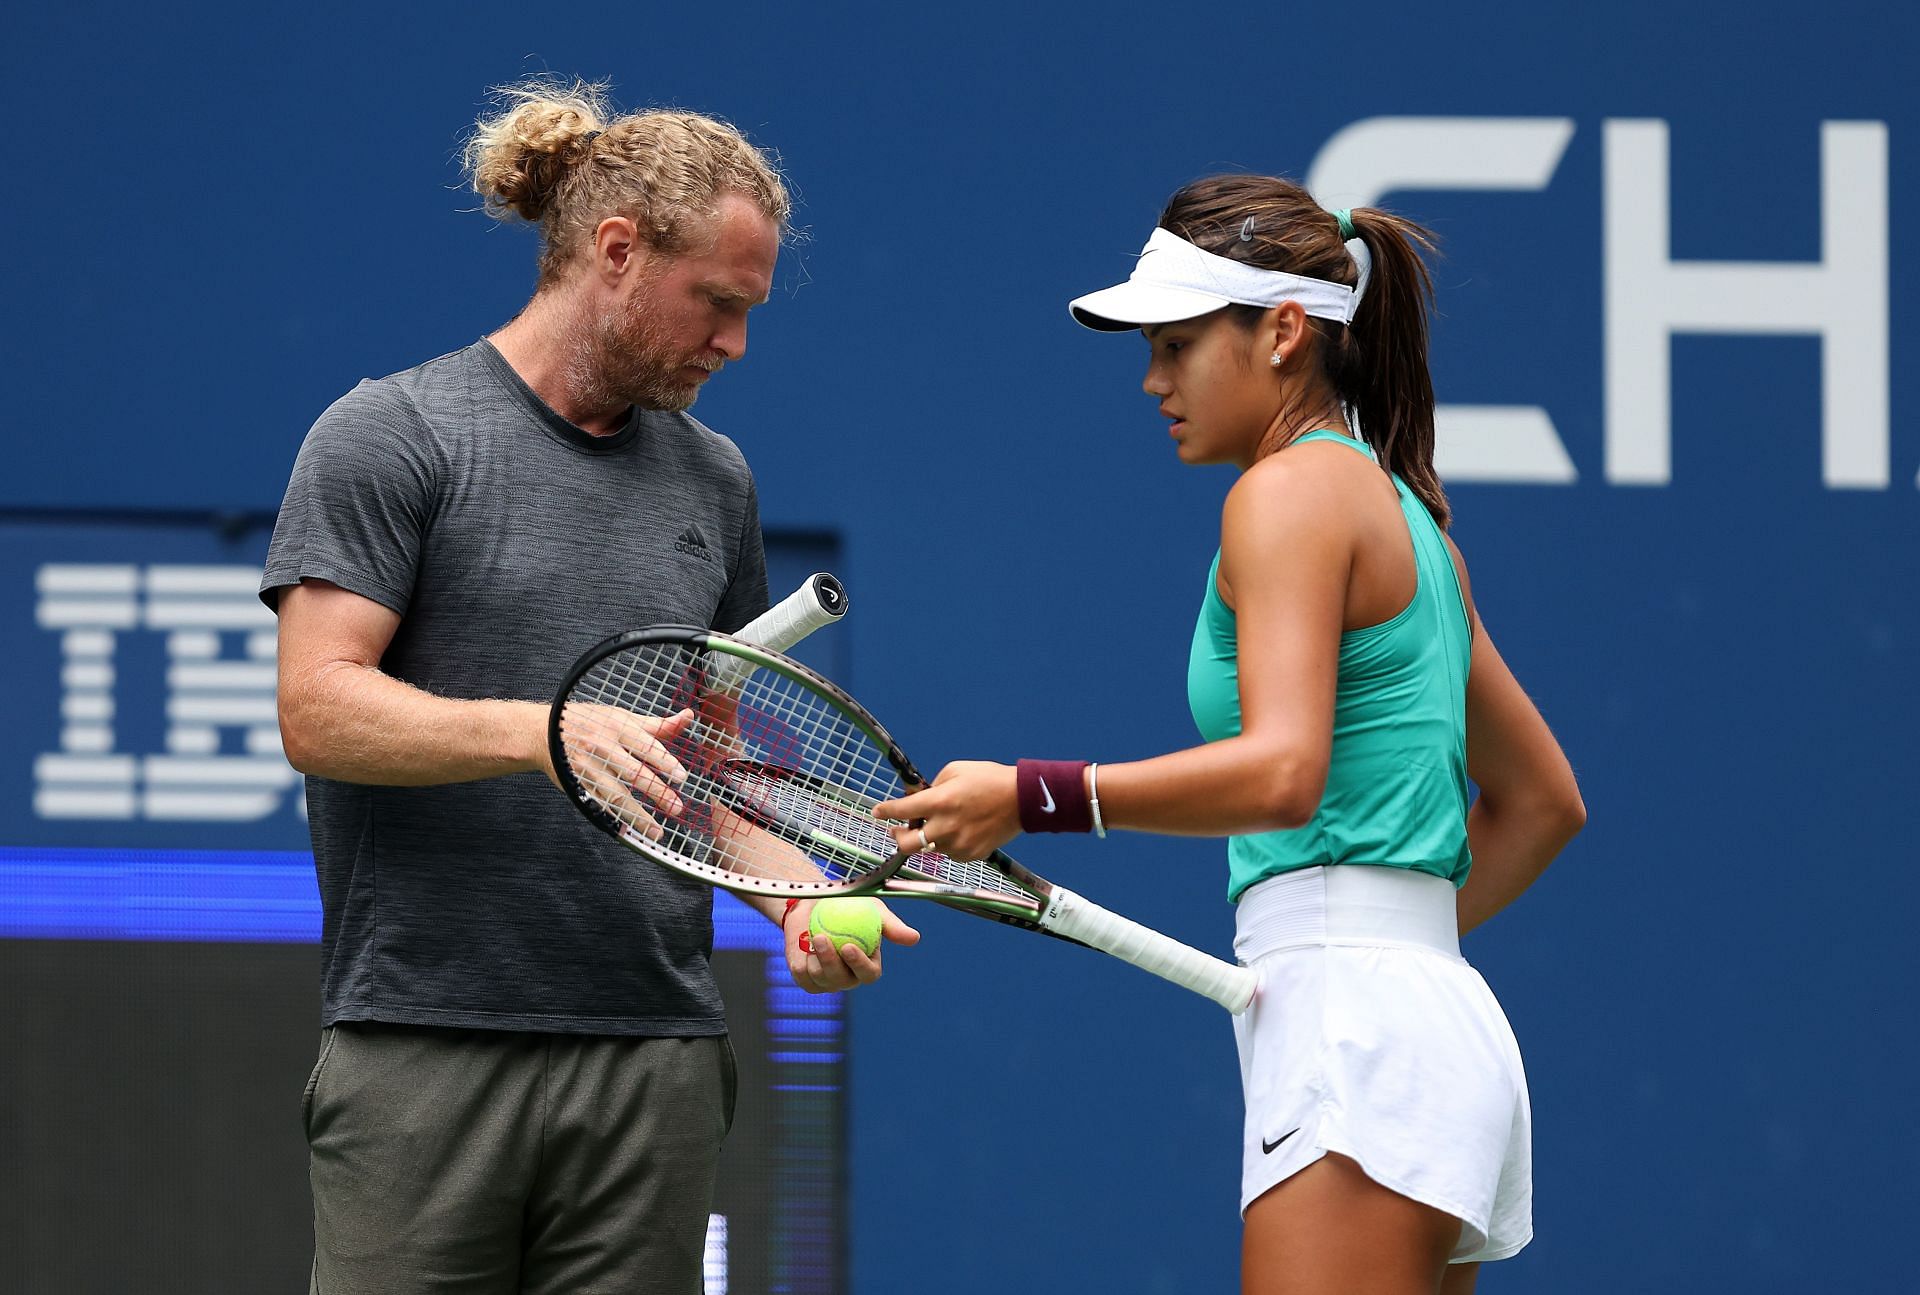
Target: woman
[[1348, 692]]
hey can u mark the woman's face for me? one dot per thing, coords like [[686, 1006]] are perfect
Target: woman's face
[[1214, 383]]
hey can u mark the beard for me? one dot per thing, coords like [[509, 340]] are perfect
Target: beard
[[633, 362]]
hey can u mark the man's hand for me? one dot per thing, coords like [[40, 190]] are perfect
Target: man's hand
[[819, 968], [616, 754]]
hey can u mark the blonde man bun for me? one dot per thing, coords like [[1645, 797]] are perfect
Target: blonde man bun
[[557, 156], [519, 159]]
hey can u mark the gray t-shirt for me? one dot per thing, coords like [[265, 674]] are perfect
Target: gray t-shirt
[[509, 541]]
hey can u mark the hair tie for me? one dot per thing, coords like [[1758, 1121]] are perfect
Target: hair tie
[[1345, 217]]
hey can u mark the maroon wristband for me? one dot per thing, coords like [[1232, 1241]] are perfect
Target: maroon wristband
[[1053, 796]]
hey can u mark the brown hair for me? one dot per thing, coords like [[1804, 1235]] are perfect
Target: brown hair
[[556, 155], [1377, 365]]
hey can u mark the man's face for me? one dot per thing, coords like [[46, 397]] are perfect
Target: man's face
[[683, 317]]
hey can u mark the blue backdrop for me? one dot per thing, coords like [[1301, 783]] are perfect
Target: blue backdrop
[[221, 218]]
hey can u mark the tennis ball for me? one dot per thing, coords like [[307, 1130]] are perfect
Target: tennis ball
[[844, 921]]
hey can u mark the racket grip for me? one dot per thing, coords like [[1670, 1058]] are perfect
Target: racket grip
[[1079, 919], [820, 600]]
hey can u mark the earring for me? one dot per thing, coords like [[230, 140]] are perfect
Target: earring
[[1276, 361]]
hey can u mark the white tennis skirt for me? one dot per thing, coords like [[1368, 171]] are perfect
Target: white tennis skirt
[[1373, 1038]]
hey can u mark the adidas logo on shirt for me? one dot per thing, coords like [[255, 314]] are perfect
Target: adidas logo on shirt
[[692, 541]]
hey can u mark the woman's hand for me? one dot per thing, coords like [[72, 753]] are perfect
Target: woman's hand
[[971, 810]]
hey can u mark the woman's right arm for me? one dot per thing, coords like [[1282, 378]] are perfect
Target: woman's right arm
[[1529, 805]]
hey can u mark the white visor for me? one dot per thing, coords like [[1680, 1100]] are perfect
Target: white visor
[[1173, 280]]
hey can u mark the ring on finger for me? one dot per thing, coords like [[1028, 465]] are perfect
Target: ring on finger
[[926, 846]]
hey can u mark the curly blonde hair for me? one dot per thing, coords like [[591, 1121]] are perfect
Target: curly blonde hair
[[557, 155]]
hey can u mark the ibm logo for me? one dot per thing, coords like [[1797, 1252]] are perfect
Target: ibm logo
[[204, 612]]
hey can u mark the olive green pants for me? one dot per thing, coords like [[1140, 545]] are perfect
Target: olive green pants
[[484, 1162]]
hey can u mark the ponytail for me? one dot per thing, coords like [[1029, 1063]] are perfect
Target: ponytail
[[1378, 363]]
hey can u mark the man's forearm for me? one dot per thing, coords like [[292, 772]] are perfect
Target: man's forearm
[[355, 724]]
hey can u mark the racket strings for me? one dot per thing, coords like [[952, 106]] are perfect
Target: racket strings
[[795, 727]]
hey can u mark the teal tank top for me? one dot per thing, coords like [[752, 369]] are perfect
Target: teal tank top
[[1397, 785]]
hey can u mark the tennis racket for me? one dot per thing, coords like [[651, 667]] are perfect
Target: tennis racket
[[770, 788]]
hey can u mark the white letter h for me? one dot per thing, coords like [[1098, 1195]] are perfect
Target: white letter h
[[1842, 298]]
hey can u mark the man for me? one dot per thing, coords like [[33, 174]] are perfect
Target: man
[[524, 1076]]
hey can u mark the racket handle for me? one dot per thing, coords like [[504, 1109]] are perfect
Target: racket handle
[[1080, 919], [820, 600]]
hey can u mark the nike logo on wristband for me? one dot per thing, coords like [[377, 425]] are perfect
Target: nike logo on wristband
[[1269, 1147], [1046, 808]]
